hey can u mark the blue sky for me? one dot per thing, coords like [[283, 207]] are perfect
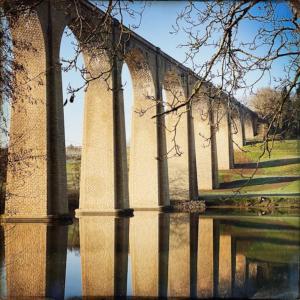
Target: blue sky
[[156, 25]]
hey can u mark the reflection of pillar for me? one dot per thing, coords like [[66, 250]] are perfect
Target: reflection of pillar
[[104, 255], [2, 266], [148, 172], [36, 183], [35, 259], [252, 270], [224, 139], [205, 266], [149, 241], [240, 274], [225, 266], [179, 256], [252, 277]]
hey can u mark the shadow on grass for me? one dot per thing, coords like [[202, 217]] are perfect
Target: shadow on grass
[[268, 164], [256, 181]]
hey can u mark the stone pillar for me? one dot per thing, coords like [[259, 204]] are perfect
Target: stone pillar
[[104, 173], [179, 256], [255, 125], [104, 255], [149, 254], [36, 176], [148, 171], [35, 260], [225, 266], [178, 125], [249, 127], [205, 141], [237, 130], [224, 139], [193, 183]]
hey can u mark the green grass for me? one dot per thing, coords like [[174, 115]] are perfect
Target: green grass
[[275, 253], [73, 173], [280, 149], [278, 173]]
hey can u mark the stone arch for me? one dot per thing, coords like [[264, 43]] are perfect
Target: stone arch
[[103, 180], [147, 187]]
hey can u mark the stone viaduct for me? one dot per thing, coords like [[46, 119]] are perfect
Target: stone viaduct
[[206, 132]]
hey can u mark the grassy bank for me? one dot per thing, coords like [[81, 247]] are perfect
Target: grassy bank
[[276, 176]]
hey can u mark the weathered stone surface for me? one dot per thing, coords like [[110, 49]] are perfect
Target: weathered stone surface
[[104, 184], [177, 137], [36, 176], [148, 172]]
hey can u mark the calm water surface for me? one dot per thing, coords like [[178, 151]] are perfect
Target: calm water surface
[[152, 254]]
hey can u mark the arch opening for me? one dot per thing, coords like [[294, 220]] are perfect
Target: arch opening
[[6, 66], [72, 65], [127, 87]]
